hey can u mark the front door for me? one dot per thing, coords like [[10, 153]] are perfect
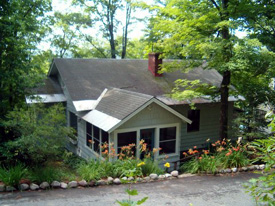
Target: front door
[[148, 135]]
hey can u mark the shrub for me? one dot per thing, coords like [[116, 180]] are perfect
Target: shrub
[[12, 175], [263, 188], [41, 133]]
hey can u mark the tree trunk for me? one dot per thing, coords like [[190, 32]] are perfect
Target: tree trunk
[[224, 105], [125, 30], [111, 29], [226, 75], [112, 43]]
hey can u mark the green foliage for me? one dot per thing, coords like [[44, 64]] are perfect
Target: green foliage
[[201, 31], [128, 168], [22, 26], [42, 174], [263, 188], [90, 171], [189, 90], [206, 163], [12, 175], [150, 167], [223, 155], [69, 25], [41, 133], [109, 169], [130, 202], [72, 160], [259, 21], [235, 159]]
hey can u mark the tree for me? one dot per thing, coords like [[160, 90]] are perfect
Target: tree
[[203, 31], [105, 13], [259, 21], [253, 82], [68, 31], [40, 133], [22, 27]]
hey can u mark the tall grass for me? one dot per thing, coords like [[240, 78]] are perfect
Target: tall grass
[[150, 167], [198, 165], [90, 171], [12, 175]]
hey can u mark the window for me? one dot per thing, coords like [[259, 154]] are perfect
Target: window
[[95, 137], [194, 116], [73, 122], [126, 138], [167, 140]]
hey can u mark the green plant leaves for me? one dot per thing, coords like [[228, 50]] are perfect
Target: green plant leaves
[[142, 200], [132, 192]]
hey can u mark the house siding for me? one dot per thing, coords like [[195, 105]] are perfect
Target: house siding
[[81, 149], [209, 125], [153, 115]]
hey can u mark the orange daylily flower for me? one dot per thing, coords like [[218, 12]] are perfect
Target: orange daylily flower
[[190, 151], [195, 151], [184, 153], [236, 149], [229, 153]]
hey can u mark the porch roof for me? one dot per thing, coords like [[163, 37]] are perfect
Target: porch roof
[[118, 105]]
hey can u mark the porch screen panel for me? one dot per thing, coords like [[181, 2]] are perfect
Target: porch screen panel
[[126, 138], [96, 132], [167, 140], [104, 137], [88, 134]]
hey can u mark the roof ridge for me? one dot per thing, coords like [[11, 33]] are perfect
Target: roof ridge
[[132, 92]]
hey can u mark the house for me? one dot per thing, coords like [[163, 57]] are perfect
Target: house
[[123, 101]]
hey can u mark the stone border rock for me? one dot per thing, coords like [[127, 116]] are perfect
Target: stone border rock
[[117, 181]]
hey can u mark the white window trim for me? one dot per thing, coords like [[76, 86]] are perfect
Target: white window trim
[[157, 128]]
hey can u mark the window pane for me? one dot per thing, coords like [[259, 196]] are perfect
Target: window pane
[[167, 133], [73, 122], [104, 137], [96, 145], [126, 138], [88, 140], [148, 136], [88, 128], [95, 132], [88, 134], [167, 147], [194, 116]]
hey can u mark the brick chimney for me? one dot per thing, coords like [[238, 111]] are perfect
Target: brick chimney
[[154, 64]]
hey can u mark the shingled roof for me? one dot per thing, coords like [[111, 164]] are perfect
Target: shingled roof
[[85, 79], [117, 105]]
